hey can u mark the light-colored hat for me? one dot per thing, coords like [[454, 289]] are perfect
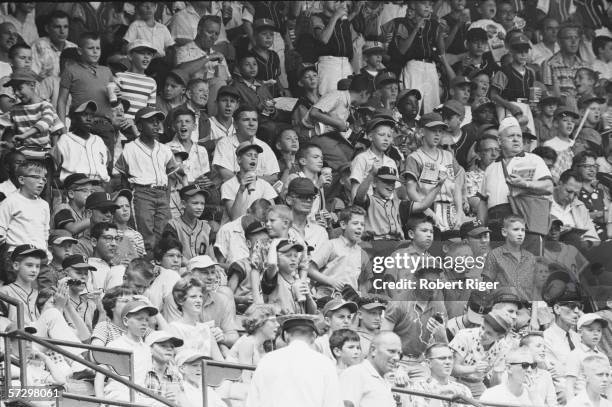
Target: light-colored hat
[[509, 124]]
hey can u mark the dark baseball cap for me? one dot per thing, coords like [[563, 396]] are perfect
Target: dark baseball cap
[[481, 103], [460, 80], [528, 135], [407, 92], [564, 111], [149, 112], [385, 78], [506, 294], [373, 47], [77, 261], [248, 145], [305, 68], [473, 228], [302, 186], [126, 193], [59, 236], [21, 75], [180, 76], [28, 250], [338, 303], [432, 120], [90, 104], [285, 245], [77, 179], [294, 320], [587, 99], [263, 23], [387, 173], [379, 121], [191, 190], [99, 200], [228, 91], [519, 41], [123, 102], [476, 307], [454, 106], [251, 225], [476, 34]]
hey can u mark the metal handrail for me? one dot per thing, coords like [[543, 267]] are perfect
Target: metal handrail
[[23, 378], [55, 348]]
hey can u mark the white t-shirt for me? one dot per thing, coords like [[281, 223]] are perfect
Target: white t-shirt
[[500, 392], [225, 156], [24, 220], [262, 189]]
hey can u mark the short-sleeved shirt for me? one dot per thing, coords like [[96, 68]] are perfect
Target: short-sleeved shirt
[[557, 346], [432, 386], [25, 297], [363, 386], [195, 240], [384, 216], [158, 35], [196, 164], [467, 345], [107, 332], [336, 103], [574, 364], [363, 163], [556, 71], [138, 89], [78, 155], [315, 234], [529, 166], [425, 169], [231, 242], [338, 259], [146, 166], [424, 45], [225, 156], [46, 57], [87, 82], [262, 189], [340, 43], [512, 84], [142, 364], [501, 266]]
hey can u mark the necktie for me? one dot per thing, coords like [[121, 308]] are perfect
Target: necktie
[[569, 340]]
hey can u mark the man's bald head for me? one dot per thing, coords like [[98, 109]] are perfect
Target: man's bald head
[[385, 351], [385, 337]]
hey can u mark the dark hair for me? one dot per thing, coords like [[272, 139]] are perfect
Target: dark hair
[[207, 18], [437, 345], [581, 158], [415, 220], [99, 228], [528, 338], [347, 213], [599, 42], [244, 108], [546, 153], [56, 15], [304, 149], [43, 297], [13, 50], [567, 175], [594, 76], [166, 244], [179, 291], [142, 266], [87, 36], [195, 82], [242, 56], [568, 26], [109, 301], [447, 113], [340, 337], [182, 112], [482, 138], [508, 219], [359, 83]]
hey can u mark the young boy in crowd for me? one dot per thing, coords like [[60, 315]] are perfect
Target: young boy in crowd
[[584, 81], [510, 264], [149, 176], [453, 112], [72, 215], [460, 89], [544, 122], [244, 275], [222, 123], [564, 123], [80, 151], [61, 245], [239, 192], [85, 80], [34, 121], [172, 95], [589, 138], [25, 263], [337, 314], [145, 27], [590, 327], [189, 229], [373, 55], [457, 20], [345, 346], [134, 86], [196, 165], [423, 173], [380, 132], [370, 314], [268, 61], [252, 92], [602, 48], [483, 114], [287, 145], [597, 377], [308, 83], [339, 262], [24, 215], [478, 58], [496, 32]]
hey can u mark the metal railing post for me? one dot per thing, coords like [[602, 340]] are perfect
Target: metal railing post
[[204, 384]]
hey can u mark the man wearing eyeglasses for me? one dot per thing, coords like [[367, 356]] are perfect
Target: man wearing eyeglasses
[[439, 358], [519, 389], [104, 239], [99, 207]]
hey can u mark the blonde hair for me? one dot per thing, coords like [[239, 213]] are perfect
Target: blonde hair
[[283, 211]]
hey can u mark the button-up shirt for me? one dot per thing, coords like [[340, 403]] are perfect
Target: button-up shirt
[[196, 164], [278, 383], [363, 163], [146, 166], [557, 71], [502, 266], [574, 364], [158, 35], [339, 259], [363, 386], [225, 156], [575, 215], [557, 346], [540, 52], [433, 386]]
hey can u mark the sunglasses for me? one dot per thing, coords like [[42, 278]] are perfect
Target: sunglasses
[[526, 365], [446, 146]]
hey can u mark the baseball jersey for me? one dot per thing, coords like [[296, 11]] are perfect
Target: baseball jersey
[[195, 240], [78, 155], [146, 166]]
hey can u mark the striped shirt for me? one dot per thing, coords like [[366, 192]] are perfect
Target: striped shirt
[[138, 89], [40, 115]]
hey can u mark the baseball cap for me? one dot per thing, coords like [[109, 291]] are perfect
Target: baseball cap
[[454, 106], [373, 302], [337, 303], [293, 320], [149, 112], [100, 200], [180, 76], [126, 193], [507, 124], [200, 262], [133, 307], [21, 75], [302, 186], [246, 145], [263, 23], [78, 179], [162, 336], [28, 250], [549, 99], [123, 102], [384, 78], [432, 120], [476, 34], [473, 228], [407, 92], [191, 190], [528, 135], [77, 261], [141, 44], [371, 47], [459, 80], [183, 155], [229, 91], [253, 226], [119, 62], [564, 111], [188, 356], [84, 106], [378, 121], [519, 41], [285, 245], [476, 307], [499, 320], [481, 103], [59, 236], [587, 99], [387, 173], [588, 319], [505, 294]]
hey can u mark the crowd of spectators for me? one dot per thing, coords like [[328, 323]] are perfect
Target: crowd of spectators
[[264, 182]]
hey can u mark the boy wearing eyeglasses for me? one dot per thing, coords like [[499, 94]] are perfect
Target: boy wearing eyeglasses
[[72, 216], [590, 328]]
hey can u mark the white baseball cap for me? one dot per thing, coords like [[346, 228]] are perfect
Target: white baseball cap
[[507, 124], [162, 336], [588, 319], [200, 262], [188, 356]]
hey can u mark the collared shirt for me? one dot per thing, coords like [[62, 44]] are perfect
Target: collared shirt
[[107, 332], [573, 366], [143, 362], [529, 166], [212, 69], [403, 271], [85, 307], [410, 321], [196, 164], [158, 383], [7, 188], [219, 131], [540, 52], [158, 35], [544, 132], [315, 235], [138, 89], [146, 166], [46, 57], [195, 239], [502, 266], [225, 156], [363, 386], [231, 242], [513, 84], [582, 399], [557, 71], [501, 392], [97, 278], [87, 82], [336, 103], [277, 383], [384, 216], [575, 215], [78, 155], [27, 298], [557, 346], [363, 163], [339, 259], [162, 286], [604, 69], [24, 220], [432, 386], [260, 189]]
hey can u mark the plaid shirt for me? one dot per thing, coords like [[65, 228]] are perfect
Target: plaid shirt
[[158, 384], [556, 71]]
